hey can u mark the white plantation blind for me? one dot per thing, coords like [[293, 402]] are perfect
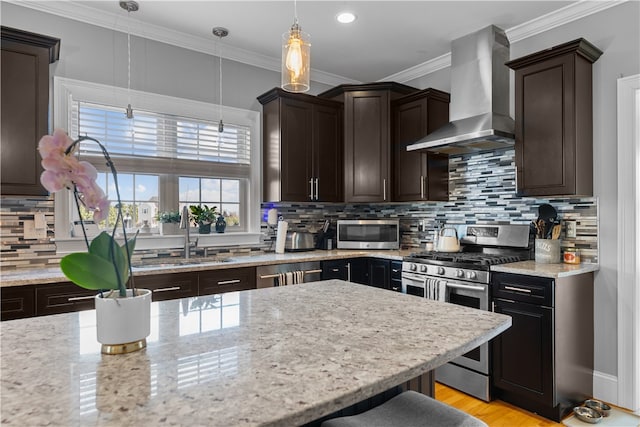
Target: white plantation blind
[[154, 135]]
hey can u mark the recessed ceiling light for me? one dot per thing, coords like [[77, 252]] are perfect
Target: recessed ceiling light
[[346, 17]]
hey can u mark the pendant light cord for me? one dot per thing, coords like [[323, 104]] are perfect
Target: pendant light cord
[[220, 72]]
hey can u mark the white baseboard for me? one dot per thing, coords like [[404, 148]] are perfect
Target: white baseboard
[[605, 387]]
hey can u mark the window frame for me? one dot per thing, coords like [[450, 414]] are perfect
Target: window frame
[[69, 90]]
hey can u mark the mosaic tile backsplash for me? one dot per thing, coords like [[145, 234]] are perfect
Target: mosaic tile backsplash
[[481, 187]]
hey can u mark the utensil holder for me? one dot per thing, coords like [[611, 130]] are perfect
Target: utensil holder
[[548, 251]]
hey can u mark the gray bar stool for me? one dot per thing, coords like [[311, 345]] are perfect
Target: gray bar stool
[[408, 409]]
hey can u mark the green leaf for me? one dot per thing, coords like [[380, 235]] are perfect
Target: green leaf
[[105, 247], [89, 271]]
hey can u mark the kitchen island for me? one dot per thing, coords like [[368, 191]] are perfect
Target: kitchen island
[[277, 356]]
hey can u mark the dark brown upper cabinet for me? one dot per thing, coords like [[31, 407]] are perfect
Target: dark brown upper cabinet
[[302, 148], [25, 105], [367, 138], [419, 175], [554, 120]]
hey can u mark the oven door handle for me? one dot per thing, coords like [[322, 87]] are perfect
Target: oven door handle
[[467, 287]]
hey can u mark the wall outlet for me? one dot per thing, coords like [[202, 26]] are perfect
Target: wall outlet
[[31, 232]]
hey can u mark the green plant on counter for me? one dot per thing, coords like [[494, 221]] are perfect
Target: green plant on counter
[[203, 214], [168, 217]]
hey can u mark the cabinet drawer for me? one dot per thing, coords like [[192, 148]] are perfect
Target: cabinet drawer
[[335, 269], [229, 280], [17, 302], [396, 270], [63, 298], [528, 289], [169, 286]]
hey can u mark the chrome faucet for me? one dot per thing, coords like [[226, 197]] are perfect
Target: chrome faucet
[[185, 224]]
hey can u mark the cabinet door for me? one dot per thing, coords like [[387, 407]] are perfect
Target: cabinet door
[[169, 286], [296, 145], [327, 153], [24, 110], [17, 302], [380, 273], [523, 354], [410, 166], [545, 128], [227, 280], [335, 269], [367, 146], [63, 297]]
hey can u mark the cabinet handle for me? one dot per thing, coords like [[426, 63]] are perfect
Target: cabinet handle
[[317, 193], [513, 288], [72, 299], [516, 179], [335, 270], [171, 288], [421, 187], [348, 272], [395, 270], [493, 306], [395, 288], [384, 189], [311, 188], [228, 282]]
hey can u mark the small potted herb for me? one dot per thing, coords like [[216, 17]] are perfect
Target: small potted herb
[[203, 216], [169, 222]]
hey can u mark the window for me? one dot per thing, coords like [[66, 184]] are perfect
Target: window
[[169, 155]]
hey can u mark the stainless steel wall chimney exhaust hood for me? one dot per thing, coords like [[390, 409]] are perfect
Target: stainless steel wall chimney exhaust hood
[[479, 109]]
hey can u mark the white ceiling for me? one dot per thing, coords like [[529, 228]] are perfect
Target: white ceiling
[[384, 43]]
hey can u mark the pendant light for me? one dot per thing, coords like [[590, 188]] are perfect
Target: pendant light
[[220, 32], [296, 57], [129, 6]]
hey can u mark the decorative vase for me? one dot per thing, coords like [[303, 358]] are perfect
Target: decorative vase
[[221, 224], [123, 323], [169, 228], [204, 228]]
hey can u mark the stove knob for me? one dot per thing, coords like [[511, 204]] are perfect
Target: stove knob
[[471, 274], [423, 268], [459, 273], [413, 267], [441, 270]]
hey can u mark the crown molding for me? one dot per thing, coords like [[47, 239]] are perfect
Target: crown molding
[[427, 67], [117, 22], [559, 17]]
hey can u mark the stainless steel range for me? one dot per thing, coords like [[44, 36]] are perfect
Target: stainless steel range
[[464, 278]]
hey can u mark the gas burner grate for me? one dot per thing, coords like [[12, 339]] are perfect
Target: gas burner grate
[[467, 257]]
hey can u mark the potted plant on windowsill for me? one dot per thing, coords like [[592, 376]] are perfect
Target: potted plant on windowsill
[[169, 222], [122, 311], [204, 217]]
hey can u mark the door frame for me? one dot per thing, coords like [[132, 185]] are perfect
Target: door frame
[[629, 242]]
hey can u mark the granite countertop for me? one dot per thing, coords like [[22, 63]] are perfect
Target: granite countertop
[[532, 268], [277, 356], [170, 265]]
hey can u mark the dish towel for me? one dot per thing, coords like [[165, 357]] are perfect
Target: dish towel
[[435, 289]]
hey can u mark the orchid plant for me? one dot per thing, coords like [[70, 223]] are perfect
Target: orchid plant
[[106, 265]]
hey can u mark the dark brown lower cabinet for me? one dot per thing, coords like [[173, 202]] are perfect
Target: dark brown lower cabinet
[[169, 286], [380, 273], [63, 297], [229, 280], [544, 362], [17, 302]]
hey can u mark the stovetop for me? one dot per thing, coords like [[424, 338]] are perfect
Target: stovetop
[[468, 258]]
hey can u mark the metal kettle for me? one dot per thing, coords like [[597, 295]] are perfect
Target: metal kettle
[[448, 243]]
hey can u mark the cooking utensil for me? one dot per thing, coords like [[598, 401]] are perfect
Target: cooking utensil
[[555, 233]]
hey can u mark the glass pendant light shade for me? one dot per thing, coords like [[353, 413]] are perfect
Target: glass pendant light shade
[[296, 59]]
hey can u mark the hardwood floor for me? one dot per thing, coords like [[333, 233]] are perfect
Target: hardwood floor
[[495, 413]]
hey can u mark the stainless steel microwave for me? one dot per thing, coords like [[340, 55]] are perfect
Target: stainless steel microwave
[[368, 234]]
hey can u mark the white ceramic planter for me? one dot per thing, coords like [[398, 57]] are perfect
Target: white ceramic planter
[[123, 324]]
